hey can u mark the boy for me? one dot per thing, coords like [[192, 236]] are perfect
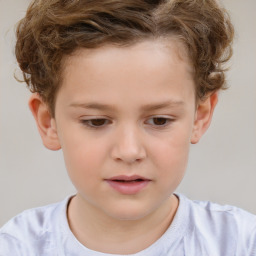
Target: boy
[[123, 88]]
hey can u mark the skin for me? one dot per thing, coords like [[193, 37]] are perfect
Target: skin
[[138, 84]]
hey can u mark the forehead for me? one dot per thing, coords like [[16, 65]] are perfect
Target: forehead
[[144, 70], [171, 47]]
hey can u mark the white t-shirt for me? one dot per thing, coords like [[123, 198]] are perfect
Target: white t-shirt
[[198, 229]]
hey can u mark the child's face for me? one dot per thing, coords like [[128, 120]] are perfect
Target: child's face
[[143, 98]]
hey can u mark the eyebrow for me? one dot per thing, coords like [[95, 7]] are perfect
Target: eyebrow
[[147, 107]]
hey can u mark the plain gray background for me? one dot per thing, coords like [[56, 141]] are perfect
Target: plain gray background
[[222, 166]]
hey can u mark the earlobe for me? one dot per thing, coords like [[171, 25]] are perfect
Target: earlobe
[[45, 122], [203, 117]]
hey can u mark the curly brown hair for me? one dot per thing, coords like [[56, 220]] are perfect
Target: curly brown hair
[[54, 29]]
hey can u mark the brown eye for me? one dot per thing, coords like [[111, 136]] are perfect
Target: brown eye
[[160, 121], [95, 123]]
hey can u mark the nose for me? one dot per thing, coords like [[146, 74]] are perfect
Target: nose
[[128, 146]]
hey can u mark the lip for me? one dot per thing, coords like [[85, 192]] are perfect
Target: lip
[[128, 185]]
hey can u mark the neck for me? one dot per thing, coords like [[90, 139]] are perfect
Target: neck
[[118, 236]]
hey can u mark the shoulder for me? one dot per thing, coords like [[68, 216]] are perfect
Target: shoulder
[[223, 215], [228, 226], [31, 230], [32, 220]]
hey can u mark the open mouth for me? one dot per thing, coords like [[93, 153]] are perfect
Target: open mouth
[[129, 181], [124, 178], [128, 184]]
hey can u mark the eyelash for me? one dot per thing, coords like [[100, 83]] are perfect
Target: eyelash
[[88, 122]]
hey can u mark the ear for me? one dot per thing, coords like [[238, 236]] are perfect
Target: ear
[[203, 116], [45, 122]]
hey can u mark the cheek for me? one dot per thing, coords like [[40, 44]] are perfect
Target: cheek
[[172, 164], [171, 154], [83, 165], [83, 157]]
